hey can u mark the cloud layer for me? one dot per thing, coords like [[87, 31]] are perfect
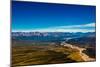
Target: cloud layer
[[69, 28]]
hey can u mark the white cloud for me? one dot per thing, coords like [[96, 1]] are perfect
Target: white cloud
[[70, 28], [77, 26], [90, 25], [64, 30]]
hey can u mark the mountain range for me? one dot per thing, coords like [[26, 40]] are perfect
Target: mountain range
[[49, 36]]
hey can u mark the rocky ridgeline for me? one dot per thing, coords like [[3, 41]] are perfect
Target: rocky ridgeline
[[77, 53]]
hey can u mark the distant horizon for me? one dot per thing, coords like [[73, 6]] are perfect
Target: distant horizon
[[50, 17], [54, 32]]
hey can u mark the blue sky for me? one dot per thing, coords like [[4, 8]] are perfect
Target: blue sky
[[44, 17]]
